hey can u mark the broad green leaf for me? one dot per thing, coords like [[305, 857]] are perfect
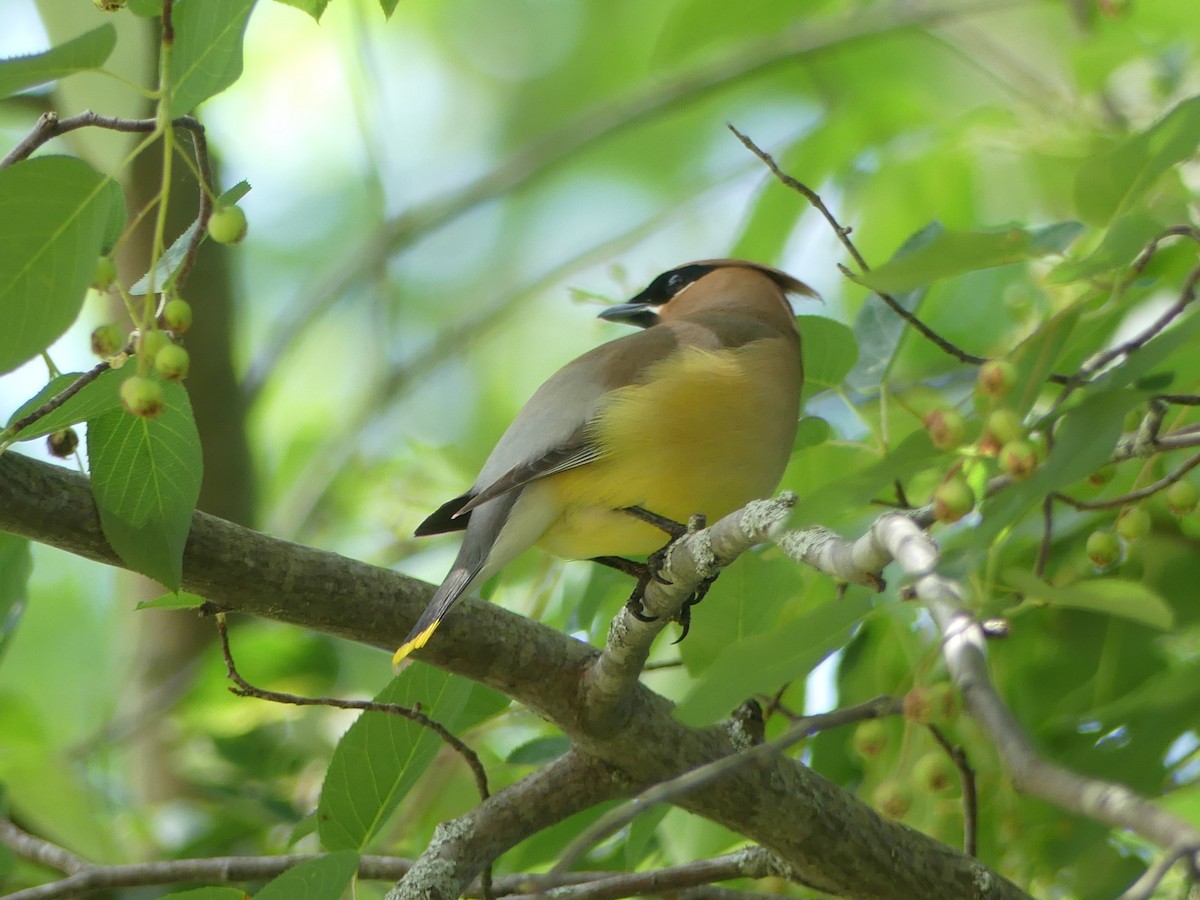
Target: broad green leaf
[[1083, 442], [957, 252], [55, 213], [380, 756], [1121, 243], [16, 564], [174, 600], [539, 751], [1110, 596], [324, 878], [760, 664], [639, 838], [207, 56], [811, 431], [169, 263], [828, 348], [854, 489], [88, 51], [878, 329], [146, 477], [1114, 180], [388, 7], [99, 396], [1034, 358], [313, 7]]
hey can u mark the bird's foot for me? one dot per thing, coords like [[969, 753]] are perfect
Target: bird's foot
[[670, 527], [685, 612]]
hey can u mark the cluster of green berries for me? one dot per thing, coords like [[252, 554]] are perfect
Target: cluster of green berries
[[933, 772], [1003, 437]]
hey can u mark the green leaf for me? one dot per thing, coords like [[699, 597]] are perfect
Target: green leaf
[[380, 756], [957, 252], [93, 399], [1114, 180], [760, 664], [324, 878], [16, 565], [313, 7], [639, 840], [828, 348], [539, 751], [878, 330], [1123, 240], [1034, 358], [811, 431], [207, 56], [88, 51], [146, 477], [388, 7], [209, 893], [173, 600], [1110, 596], [1150, 356], [168, 264], [148, 8], [55, 213]]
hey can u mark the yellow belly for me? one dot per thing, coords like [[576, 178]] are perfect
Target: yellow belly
[[707, 432]]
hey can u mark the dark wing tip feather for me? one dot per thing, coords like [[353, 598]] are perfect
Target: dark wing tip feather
[[446, 517]]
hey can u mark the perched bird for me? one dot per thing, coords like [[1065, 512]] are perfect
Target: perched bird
[[695, 414]]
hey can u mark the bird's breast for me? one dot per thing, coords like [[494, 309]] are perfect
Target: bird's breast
[[704, 431]]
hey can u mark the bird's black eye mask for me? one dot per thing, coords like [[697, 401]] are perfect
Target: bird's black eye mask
[[642, 310], [669, 284]]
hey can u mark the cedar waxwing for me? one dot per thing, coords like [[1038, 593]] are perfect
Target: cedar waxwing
[[695, 414]]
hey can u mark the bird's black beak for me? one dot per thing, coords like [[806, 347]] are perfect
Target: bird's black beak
[[643, 315]]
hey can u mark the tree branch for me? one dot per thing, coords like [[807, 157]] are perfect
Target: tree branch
[[830, 838]]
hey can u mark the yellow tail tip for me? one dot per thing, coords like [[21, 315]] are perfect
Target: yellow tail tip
[[414, 643]]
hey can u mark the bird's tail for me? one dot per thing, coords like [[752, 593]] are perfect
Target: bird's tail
[[455, 585]]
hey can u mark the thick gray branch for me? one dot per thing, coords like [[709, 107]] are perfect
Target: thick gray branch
[[830, 838]]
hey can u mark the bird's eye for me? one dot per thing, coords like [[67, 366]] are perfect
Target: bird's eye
[[675, 283]]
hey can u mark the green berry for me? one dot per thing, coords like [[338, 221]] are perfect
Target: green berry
[[142, 396], [177, 315], [943, 702], [1018, 459], [62, 443], [934, 772], [150, 342], [107, 340], [953, 499], [1004, 426], [1182, 498], [893, 799], [1133, 524], [1103, 549], [870, 739], [171, 362], [227, 224], [996, 378], [946, 428], [105, 273]]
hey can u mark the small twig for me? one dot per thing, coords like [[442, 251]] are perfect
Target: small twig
[[245, 689], [1145, 887], [1132, 496], [674, 788], [1047, 535], [1143, 258], [39, 851], [1178, 399], [753, 862], [843, 235], [970, 800], [13, 430]]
